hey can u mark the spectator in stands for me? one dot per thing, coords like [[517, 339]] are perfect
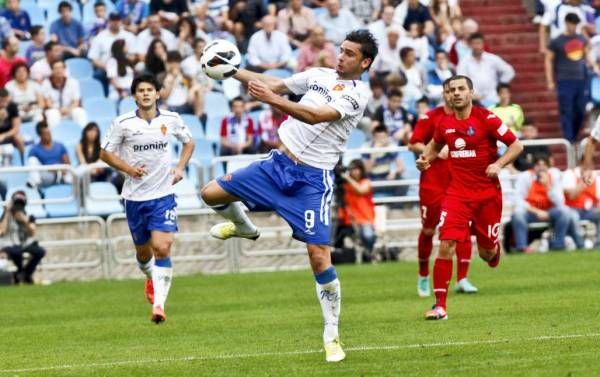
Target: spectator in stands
[[10, 123], [379, 28], [442, 11], [169, 11], [411, 11], [388, 58], [9, 58], [463, 28], [26, 94], [395, 118], [539, 197], [437, 75], [47, 152], [422, 107], [154, 31], [269, 122], [101, 47], [417, 41], [394, 81], [100, 19], [18, 18], [566, 72], [17, 232], [41, 70], [384, 166], [316, 51], [337, 22], [296, 21], [35, 51], [415, 78], [582, 198], [268, 48], [553, 21], [186, 32], [364, 10], [63, 99], [237, 130], [525, 160], [358, 209], [445, 37], [191, 68], [88, 152], [246, 17], [68, 32], [119, 71], [487, 70], [377, 98], [134, 14], [510, 113], [155, 62], [177, 93]]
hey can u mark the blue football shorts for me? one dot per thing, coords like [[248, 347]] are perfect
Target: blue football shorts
[[145, 216], [299, 193]]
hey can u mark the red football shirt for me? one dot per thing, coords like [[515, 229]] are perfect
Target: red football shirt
[[437, 177], [472, 147]]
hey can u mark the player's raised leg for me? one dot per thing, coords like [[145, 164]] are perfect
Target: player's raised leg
[[229, 207], [329, 293]]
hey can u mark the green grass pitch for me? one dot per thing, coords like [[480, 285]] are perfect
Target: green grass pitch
[[536, 315]]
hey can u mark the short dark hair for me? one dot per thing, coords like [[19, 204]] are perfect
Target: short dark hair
[[99, 3], [236, 99], [572, 18], [35, 30], [174, 56], [148, 79], [423, 99], [404, 51], [395, 93], [196, 41], [541, 156], [459, 77], [502, 85], [3, 93], [18, 66], [64, 4], [380, 128], [368, 43], [40, 126], [49, 46], [476, 35]]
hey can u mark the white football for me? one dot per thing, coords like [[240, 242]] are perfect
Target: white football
[[220, 59]]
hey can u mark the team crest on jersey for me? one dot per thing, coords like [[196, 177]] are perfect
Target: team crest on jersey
[[470, 130], [163, 129], [339, 87]]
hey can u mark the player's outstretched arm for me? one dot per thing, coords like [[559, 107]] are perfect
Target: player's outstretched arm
[[186, 154], [274, 83], [512, 152], [115, 162]]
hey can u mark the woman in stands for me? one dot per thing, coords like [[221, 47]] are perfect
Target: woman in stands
[[88, 152], [119, 71], [26, 93], [185, 38], [156, 59]]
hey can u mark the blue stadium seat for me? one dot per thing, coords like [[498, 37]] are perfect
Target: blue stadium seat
[[72, 154], [13, 180], [36, 210], [204, 151], [281, 73], [91, 88], [213, 128], [36, 14], [595, 90], [126, 105], [216, 104], [410, 165], [103, 125], [99, 107], [103, 200], [193, 124], [67, 132], [28, 132], [80, 68], [68, 209], [187, 195], [23, 46], [356, 139]]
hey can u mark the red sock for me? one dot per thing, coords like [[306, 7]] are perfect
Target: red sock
[[463, 259], [424, 252], [442, 273]]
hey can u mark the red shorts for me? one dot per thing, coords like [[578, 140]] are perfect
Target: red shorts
[[431, 208], [484, 216]]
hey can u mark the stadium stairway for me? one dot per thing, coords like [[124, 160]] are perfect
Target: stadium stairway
[[509, 32]]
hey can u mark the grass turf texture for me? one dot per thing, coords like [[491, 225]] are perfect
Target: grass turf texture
[[537, 315]]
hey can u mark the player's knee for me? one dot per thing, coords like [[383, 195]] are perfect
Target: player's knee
[[162, 249], [208, 194], [428, 231], [485, 253], [319, 256], [447, 249]]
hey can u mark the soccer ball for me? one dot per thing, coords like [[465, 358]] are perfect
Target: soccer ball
[[220, 59]]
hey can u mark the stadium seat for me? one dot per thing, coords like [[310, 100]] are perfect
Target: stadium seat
[[213, 128], [90, 88], [13, 180], [126, 105], [99, 107], [215, 104], [68, 209], [28, 132], [36, 14], [410, 165], [37, 210], [23, 46], [103, 125], [193, 124], [72, 154], [204, 151], [80, 68], [595, 90], [281, 73], [356, 139], [187, 195], [67, 132], [102, 200]]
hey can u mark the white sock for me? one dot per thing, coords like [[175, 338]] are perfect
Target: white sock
[[330, 297], [146, 267], [162, 275], [235, 213]]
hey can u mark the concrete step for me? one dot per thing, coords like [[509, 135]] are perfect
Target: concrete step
[[493, 8], [511, 41], [503, 19], [504, 29]]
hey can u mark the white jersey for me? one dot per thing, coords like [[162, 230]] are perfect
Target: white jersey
[[142, 143], [320, 145], [596, 130]]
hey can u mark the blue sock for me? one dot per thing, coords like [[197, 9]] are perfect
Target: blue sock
[[166, 262], [326, 276]]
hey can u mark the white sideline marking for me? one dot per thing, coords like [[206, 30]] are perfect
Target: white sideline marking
[[291, 353]]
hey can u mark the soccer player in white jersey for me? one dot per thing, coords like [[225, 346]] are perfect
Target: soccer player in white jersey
[[138, 144], [296, 181], [588, 153]]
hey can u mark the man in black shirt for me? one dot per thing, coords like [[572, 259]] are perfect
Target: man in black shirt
[[10, 123]]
